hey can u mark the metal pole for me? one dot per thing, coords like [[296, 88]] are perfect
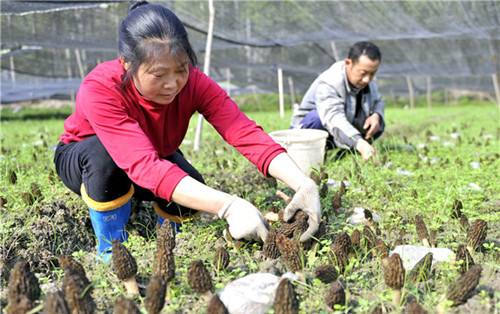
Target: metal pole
[[206, 69], [280, 93]]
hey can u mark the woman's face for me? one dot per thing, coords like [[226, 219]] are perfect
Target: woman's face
[[161, 79]]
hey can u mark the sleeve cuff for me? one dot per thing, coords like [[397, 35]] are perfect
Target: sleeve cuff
[[269, 156], [169, 182]]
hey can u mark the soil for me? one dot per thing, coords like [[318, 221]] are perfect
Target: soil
[[58, 230]]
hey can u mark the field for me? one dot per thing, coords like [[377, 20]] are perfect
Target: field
[[428, 160]]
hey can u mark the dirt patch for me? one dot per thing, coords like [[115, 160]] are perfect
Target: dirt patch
[[57, 230]]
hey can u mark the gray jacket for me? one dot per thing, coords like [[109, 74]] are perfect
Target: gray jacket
[[335, 101]]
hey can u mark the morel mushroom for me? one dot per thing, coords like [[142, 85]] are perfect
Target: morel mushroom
[[290, 252], [215, 306], [125, 306], [335, 295], [456, 211], [461, 290], [165, 237], [464, 259], [422, 270], [296, 226], [269, 249], [423, 234], [326, 273], [199, 278], [69, 264], [285, 300], [356, 238], [370, 237], [155, 295], [22, 304], [476, 235], [125, 267], [22, 282], [414, 308], [464, 223], [12, 177], [55, 303], [341, 248], [77, 293], [381, 248], [221, 259], [164, 262], [394, 276]]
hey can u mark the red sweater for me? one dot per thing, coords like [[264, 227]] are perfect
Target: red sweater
[[138, 133]]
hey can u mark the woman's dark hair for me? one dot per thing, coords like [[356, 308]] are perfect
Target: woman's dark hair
[[364, 48], [145, 33]]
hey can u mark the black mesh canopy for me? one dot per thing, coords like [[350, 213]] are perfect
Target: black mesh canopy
[[47, 46]]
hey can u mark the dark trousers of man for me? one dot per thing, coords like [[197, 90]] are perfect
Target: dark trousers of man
[[87, 162], [312, 121]]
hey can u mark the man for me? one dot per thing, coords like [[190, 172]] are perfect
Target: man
[[345, 101]]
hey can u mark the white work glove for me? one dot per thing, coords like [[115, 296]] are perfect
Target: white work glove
[[366, 150], [306, 199], [245, 221]]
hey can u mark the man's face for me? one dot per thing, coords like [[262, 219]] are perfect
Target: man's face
[[362, 72]]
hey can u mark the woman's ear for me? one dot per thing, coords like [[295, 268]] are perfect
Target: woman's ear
[[126, 65]]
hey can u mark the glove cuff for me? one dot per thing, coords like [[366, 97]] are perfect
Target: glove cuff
[[222, 211]]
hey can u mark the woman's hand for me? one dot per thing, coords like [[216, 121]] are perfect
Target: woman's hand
[[306, 196], [245, 221], [306, 199]]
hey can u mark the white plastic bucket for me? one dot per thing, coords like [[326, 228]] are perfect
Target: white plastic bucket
[[305, 146]]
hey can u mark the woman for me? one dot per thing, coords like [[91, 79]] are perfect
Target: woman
[[131, 116]]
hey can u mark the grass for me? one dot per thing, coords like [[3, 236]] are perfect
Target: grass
[[422, 169]]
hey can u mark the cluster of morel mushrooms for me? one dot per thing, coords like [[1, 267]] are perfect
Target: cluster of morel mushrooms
[[281, 244]]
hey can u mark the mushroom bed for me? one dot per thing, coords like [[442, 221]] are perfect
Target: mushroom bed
[[434, 185]]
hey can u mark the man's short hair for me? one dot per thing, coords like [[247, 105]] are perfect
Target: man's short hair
[[364, 48]]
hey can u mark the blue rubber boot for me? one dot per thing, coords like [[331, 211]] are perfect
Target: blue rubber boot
[[108, 226], [162, 216], [109, 220]]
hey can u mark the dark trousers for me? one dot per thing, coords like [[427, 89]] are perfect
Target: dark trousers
[[87, 162], [312, 121]]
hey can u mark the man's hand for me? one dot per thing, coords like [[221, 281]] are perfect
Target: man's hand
[[372, 123], [307, 199], [365, 149], [245, 221]]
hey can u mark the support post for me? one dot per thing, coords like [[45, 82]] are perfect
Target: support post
[[494, 76], [334, 50], [206, 69], [410, 92], [429, 92], [292, 91], [280, 93], [228, 80], [79, 62], [12, 70]]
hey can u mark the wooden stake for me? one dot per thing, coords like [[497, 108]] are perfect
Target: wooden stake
[[292, 91], [429, 92], [494, 76], [410, 92]]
